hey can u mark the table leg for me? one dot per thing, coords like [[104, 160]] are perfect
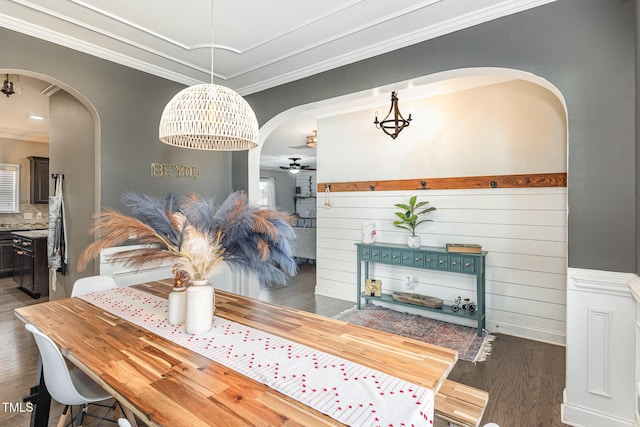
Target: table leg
[[480, 315], [40, 417], [358, 284]]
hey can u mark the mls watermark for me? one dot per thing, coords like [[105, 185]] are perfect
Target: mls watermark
[[18, 406]]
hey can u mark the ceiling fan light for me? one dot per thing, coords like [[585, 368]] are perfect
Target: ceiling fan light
[[209, 117], [312, 140], [294, 171]]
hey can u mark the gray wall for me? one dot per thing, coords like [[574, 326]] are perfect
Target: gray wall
[[72, 131], [637, 137], [128, 105], [583, 47], [125, 106], [285, 189]]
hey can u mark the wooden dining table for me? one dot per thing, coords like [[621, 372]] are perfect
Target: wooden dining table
[[166, 384]]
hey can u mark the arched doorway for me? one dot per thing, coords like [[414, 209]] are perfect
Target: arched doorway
[[74, 129], [525, 297], [430, 85]]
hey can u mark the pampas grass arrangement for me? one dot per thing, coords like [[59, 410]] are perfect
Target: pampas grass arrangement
[[197, 236]]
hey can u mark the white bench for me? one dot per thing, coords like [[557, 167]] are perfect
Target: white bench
[[126, 275], [460, 405]]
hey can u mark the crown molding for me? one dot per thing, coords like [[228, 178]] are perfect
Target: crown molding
[[91, 49], [19, 135], [505, 8], [488, 14]]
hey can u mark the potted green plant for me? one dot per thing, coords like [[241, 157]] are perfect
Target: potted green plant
[[410, 218]]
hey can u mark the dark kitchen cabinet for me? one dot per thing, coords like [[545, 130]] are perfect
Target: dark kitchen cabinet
[[6, 253], [39, 188], [30, 270]]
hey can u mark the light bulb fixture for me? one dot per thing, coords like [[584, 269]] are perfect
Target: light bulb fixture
[[312, 140], [294, 167], [209, 117], [7, 87], [392, 127]]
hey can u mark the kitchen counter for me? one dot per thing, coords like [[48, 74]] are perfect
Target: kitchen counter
[[32, 234], [23, 226]]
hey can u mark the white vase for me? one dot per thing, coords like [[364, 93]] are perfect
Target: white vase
[[414, 242], [200, 306], [177, 306]]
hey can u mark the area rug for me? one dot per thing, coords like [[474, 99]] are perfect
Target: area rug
[[457, 337]]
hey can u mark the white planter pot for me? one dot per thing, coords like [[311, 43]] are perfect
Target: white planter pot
[[177, 306], [414, 242], [200, 306]]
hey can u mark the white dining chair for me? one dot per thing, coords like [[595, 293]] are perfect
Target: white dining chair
[[68, 387], [90, 284]]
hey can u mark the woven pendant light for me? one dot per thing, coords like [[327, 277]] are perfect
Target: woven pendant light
[[209, 117]]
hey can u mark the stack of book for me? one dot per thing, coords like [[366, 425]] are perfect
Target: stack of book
[[464, 248]]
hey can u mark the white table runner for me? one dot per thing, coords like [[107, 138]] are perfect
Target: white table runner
[[346, 391]]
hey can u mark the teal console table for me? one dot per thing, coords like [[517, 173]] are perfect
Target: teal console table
[[429, 258]]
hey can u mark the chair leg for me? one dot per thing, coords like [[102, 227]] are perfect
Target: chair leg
[[63, 417], [130, 417], [124, 412], [80, 418]]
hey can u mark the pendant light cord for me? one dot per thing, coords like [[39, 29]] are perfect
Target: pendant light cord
[[211, 41], [209, 116]]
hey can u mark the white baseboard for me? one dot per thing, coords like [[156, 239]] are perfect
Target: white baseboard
[[346, 294], [550, 337], [586, 417]]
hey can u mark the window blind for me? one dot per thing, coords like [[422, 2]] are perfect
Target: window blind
[[9, 188]]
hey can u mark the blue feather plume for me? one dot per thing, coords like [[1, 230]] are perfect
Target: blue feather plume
[[153, 212], [255, 241]]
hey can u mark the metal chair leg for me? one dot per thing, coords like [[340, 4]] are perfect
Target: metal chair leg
[[81, 413]]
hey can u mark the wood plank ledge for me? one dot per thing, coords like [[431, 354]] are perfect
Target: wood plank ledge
[[558, 179], [460, 404]]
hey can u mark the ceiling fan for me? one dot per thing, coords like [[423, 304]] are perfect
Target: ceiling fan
[[295, 167], [312, 141]]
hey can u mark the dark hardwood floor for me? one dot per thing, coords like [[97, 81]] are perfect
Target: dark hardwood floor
[[524, 378], [300, 294]]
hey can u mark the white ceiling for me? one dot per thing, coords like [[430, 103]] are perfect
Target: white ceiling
[[258, 44], [17, 110]]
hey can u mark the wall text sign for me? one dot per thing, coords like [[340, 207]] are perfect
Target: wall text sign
[[167, 170]]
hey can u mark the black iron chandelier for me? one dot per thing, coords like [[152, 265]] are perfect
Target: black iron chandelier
[[7, 87], [392, 127]]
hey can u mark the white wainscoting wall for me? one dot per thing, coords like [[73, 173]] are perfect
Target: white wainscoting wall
[[603, 344], [523, 230]]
